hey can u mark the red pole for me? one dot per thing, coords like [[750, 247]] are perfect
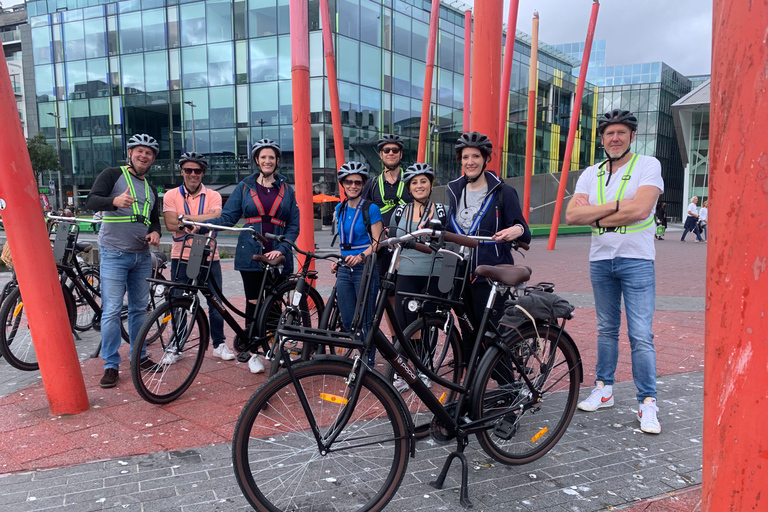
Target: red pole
[[434, 20], [34, 264], [333, 87], [530, 136], [735, 448], [467, 65], [509, 50], [302, 133], [575, 116], [487, 59]]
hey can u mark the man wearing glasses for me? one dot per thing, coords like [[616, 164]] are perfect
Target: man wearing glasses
[[130, 224], [388, 190], [197, 203]]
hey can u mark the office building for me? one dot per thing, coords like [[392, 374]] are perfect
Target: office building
[[17, 48], [215, 76], [691, 116]]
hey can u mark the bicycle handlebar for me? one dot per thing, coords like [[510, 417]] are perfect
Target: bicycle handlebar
[[263, 238], [515, 243], [71, 219], [211, 227]]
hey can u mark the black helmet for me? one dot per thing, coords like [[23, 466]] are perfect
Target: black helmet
[[617, 116], [390, 138], [353, 168], [264, 143], [417, 169], [196, 158], [142, 139], [474, 140]]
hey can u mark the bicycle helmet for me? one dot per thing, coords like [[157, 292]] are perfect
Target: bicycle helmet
[[264, 143], [617, 116], [474, 140], [350, 168], [196, 158], [416, 170], [143, 139], [389, 138]]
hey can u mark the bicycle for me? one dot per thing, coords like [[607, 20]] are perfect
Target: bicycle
[[174, 356], [332, 425]]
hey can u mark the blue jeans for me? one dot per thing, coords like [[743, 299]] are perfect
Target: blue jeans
[[691, 228], [635, 279], [214, 317], [347, 289], [121, 271]]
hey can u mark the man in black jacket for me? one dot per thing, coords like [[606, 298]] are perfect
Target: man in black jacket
[[130, 224]]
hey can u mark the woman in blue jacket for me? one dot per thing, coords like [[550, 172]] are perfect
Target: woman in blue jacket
[[482, 205], [269, 205]]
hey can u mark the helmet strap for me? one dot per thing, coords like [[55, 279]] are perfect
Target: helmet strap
[[387, 168], [610, 164], [193, 192]]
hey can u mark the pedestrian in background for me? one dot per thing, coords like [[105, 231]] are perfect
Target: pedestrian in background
[[661, 221], [703, 216], [692, 221]]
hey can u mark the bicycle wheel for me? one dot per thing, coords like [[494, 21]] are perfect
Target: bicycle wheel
[[15, 336], [157, 294], [440, 351], [275, 454], [531, 426], [85, 315], [164, 368]]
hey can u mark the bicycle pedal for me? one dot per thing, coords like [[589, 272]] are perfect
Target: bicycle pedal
[[505, 430], [243, 357]]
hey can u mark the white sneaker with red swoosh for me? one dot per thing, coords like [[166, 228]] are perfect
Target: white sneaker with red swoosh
[[646, 414], [601, 396]]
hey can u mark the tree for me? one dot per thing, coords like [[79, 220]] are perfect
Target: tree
[[42, 155]]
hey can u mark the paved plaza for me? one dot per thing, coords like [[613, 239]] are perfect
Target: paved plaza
[[126, 454]]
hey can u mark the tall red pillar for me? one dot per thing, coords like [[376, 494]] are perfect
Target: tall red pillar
[[35, 268], [506, 77], [735, 448], [467, 67], [302, 133], [486, 68], [530, 136]]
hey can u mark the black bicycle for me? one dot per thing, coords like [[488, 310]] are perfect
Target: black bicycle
[[331, 433], [164, 364]]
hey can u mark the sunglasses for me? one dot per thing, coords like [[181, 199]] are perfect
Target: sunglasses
[[193, 171], [387, 151], [356, 183]]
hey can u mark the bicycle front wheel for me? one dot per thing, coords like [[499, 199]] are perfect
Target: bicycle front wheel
[[164, 363], [275, 453], [527, 427]]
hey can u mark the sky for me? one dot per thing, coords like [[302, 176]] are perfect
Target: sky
[[678, 32]]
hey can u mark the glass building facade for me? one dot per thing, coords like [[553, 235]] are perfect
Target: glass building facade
[[691, 117], [109, 70]]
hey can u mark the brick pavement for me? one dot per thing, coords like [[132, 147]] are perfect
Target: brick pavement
[[120, 425]]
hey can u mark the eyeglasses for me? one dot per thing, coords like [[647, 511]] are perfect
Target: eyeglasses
[[356, 183], [192, 171], [387, 151]]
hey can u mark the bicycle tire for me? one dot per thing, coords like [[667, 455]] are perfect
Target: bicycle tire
[[85, 317], [442, 355], [175, 355], [155, 297], [276, 458], [15, 336], [333, 323], [553, 368]]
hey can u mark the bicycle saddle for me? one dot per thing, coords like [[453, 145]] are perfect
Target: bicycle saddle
[[83, 246], [508, 274], [273, 263], [158, 259]]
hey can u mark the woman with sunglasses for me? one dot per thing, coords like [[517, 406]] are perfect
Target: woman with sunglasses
[[482, 205], [268, 204], [359, 233]]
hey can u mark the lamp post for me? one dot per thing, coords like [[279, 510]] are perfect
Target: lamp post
[[192, 108], [58, 154], [435, 139], [261, 123]]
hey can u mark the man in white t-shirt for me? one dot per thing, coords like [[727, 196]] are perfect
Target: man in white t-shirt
[[692, 220], [617, 198]]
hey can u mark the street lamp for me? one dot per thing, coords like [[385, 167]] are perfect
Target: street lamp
[[192, 107], [261, 123], [58, 154]]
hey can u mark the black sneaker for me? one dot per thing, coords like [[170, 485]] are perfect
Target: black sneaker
[[109, 380], [147, 365]]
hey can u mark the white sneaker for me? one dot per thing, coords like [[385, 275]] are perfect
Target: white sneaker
[[646, 414], [223, 352], [255, 364], [601, 396], [170, 357], [400, 384]]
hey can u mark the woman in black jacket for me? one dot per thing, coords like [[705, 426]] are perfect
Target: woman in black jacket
[[481, 204]]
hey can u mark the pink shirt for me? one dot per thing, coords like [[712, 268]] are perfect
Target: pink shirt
[[174, 201]]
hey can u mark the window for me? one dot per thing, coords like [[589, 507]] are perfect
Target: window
[[199, 98], [76, 80], [284, 57], [221, 69], [74, 39], [175, 77], [98, 78], [219, 20], [133, 73], [445, 51], [316, 56], [154, 29], [402, 34], [95, 38], [418, 74], [194, 71], [286, 103], [263, 103], [44, 88], [156, 63], [223, 142], [41, 45], [370, 66], [263, 59], [222, 107], [419, 38], [262, 18], [131, 38], [348, 59], [402, 75], [370, 22], [192, 24], [349, 18]]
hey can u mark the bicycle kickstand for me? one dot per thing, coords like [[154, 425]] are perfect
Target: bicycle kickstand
[[464, 490]]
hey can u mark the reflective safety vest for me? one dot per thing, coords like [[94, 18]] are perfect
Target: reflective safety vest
[[634, 228], [263, 216], [200, 211], [390, 203], [139, 215]]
